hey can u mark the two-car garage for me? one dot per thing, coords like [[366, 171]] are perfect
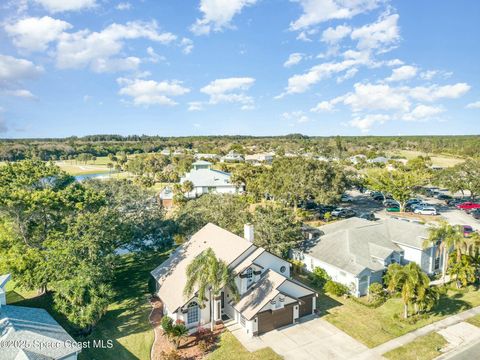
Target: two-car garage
[[273, 319]]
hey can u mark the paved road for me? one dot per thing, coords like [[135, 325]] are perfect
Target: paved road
[[469, 353]]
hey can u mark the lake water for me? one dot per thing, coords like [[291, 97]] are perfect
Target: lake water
[[92, 176]]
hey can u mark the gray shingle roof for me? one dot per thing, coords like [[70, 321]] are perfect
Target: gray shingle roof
[[33, 327], [354, 244], [207, 177]]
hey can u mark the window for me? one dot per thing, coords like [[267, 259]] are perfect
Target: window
[[282, 269], [193, 313], [250, 274], [437, 263]]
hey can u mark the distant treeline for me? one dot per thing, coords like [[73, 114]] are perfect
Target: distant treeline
[[102, 145]]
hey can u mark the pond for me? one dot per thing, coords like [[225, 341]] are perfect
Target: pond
[[101, 175]]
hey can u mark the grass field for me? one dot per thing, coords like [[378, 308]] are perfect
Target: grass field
[[437, 160], [230, 348], [426, 347], [126, 321], [374, 326], [475, 320]]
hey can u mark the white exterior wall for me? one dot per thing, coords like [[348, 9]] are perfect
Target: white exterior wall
[[3, 297], [270, 261], [335, 273], [204, 317], [424, 258]]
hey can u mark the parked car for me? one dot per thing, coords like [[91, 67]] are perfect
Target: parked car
[[390, 202], [308, 205], [346, 198], [467, 230], [454, 202], [476, 214], [426, 210], [377, 196], [468, 205], [444, 197], [343, 213], [368, 216], [419, 205], [393, 208]]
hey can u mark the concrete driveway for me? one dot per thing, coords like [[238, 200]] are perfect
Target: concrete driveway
[[312, 338]]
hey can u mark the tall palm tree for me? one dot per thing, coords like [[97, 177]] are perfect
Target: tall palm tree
[[448, 237], [209, 276], [412, 282]]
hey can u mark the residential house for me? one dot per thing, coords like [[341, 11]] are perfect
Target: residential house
[[356, 252], [199, 156], [207, 180], [232, 156], [166, 197], [269, 297], [263, 158], [32, 334], [378, 160], [165, 152]]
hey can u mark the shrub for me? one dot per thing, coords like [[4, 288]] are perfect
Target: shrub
[[167, 325], [170, 355], [376, 294], [203, 346], [297, 266], [335, 288], [319, 277]]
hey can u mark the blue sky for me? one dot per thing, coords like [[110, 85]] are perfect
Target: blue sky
[[259, 67]]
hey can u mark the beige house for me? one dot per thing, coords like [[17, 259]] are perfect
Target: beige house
[[270, 298]]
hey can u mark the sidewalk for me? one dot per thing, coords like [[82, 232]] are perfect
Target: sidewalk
[[409, 337]]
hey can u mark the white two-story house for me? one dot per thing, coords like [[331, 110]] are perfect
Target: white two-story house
[[356, 252], [269, 297]]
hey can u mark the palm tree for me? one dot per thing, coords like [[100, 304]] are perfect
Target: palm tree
[[209, 275], [411, 281], [448, 237], [464, 270]]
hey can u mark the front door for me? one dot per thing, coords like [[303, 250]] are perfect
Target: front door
[[222, 297]]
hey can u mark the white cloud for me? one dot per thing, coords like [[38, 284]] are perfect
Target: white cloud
[[230, 90], [153, 56], [348, 75], [195, 106], [293, 59], [300, 83], [436, 92], [34, 34], [296, 116], [323, 106], [318, 11], [422, 112], [21, 93], [123, 6], [428, 75], [13, 69], [376, 97], [150, 92], [97, 50], [474, 105], [187, 45], [379, 35], [66, 5], [217, 14], [365, 123], [334, 35], [405, 72]]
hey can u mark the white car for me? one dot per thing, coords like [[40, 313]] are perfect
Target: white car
[[337, 211], [427, 210], [346, 198]]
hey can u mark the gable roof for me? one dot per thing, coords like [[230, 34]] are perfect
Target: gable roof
[[356, 244], [171, 274], [207, 177], [264, 290], [30, 325]]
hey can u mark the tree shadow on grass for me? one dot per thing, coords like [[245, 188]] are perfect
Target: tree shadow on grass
[[449, 305]]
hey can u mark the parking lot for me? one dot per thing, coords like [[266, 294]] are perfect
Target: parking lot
[[363, 203]]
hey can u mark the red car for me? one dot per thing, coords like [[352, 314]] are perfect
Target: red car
[[468, 206]]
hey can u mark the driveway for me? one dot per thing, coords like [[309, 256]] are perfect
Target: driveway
[[312, 338]]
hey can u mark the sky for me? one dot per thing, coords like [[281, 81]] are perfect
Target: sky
[[248, 67]]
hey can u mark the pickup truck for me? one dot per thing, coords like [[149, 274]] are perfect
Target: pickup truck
[[468, 206]]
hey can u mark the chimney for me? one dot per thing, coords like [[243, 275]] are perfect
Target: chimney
[[248, 232]]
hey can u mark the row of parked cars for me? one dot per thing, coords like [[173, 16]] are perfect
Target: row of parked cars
[[470, 207]]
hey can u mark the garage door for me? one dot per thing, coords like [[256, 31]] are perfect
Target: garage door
[[269, 320], [306, 306]]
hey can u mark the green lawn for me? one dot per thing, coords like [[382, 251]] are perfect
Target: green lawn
[[437, 159], [126, 321], [426, 347], [475, 320], [374, 326], [230, 348]]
